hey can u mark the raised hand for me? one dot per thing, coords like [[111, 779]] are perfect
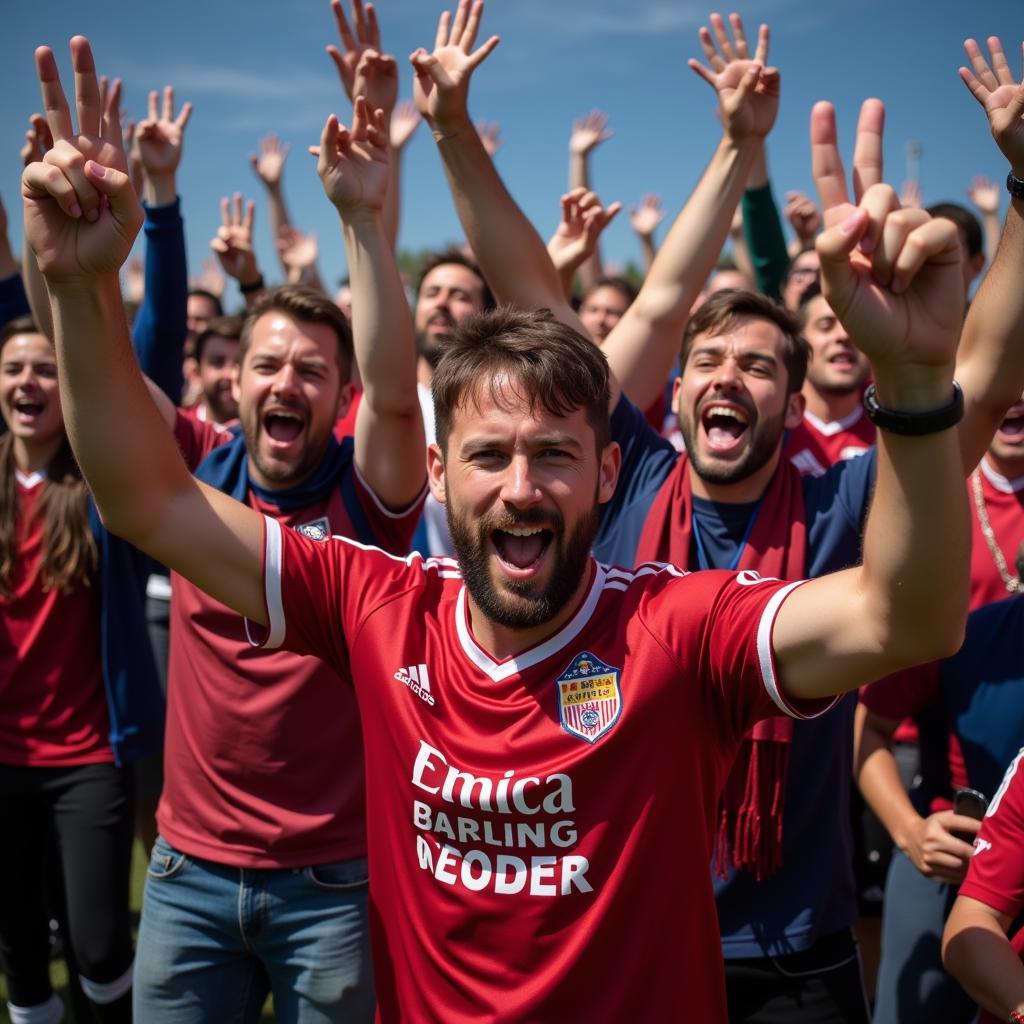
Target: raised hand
[[588, 133], [645, 217], [802, 215], [891, 275], [233, 241], [490, 136], [268, 163], [81, 214], [131, 147], [984, 194], [405, 119], [748, 92], [38, 140], [910, 194], [377, 81], [583, 220], [1002, 98], [161, 135], [355, 43], [441, 86], [211, 279], [353, 163], [297, 250]]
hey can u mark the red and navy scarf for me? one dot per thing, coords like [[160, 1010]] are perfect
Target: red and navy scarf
[[749, 833]]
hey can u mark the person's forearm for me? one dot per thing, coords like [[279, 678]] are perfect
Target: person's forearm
[[643, 345], [649, 251], [278, 214], [158, 333], [160, 189], [990, 360], [591, 270], [991, 224], [35, 289], [976, 952], [392, 211], [512, 255], [391, 455], [107, 407], [878, 776], [918, 510]]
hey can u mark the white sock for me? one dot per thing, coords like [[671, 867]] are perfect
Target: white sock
[[104, 992], [50, 1012]]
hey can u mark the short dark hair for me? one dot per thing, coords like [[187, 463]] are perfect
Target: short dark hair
[[301, 303], [229, 327], [441, 257], [622, 285], [965, 221], [730, 305], [552, 366], [19, 325], [812, 291], [215, 299]]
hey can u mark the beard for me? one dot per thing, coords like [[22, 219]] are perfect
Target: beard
[[430, 348], [765, 438], [522, 604], [221, 404], [277, 472]]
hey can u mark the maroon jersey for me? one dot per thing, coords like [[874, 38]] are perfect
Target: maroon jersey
[[263, 752], [53, 712], [815, 445], [540, 827]]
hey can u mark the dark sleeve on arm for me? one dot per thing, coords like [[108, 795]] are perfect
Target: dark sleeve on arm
[[13, 300], [762, 229], [159, 331]]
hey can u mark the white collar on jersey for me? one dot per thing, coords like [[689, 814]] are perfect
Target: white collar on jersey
[[29, 480], [499, 670], [832, 427], [1000, 482]]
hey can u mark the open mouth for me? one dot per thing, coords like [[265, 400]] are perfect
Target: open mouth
[[724, 426], [282, 427], [521, 549], [27, 410], [1012, 428]]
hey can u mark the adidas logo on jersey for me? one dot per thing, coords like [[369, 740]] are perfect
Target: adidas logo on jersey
[[417, 679]]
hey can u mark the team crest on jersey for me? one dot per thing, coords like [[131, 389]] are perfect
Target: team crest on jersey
[[317, 529], [589, 698]]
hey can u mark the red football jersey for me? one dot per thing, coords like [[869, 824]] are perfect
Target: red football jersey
[[263, 752], [995, 875], [815, 445], [1004, 505], [53, 711], [541, 827]]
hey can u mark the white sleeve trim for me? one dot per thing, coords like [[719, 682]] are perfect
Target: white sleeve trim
[[766, 656], [274, 636], [381, 507]]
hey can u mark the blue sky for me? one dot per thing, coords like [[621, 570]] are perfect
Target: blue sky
[[259, 66]]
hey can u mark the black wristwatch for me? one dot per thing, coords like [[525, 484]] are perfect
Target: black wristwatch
[[1015, 186], [914, 424], [253, 286]]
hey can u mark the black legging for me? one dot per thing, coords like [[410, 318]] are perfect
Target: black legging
[[90, 809]]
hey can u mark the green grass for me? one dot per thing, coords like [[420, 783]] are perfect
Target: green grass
[[58, 972]]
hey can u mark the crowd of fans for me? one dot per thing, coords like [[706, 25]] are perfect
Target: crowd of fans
[[321, 826]]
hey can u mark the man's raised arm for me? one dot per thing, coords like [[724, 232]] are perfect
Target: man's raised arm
[[389, 440], [990, 364], [893, 278], [81, 217], [644, 343], [511, 254]]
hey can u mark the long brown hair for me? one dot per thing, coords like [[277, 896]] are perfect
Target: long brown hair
[[69, 557]]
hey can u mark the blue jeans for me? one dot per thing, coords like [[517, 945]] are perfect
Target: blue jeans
[[912, 984], [214, 940]]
